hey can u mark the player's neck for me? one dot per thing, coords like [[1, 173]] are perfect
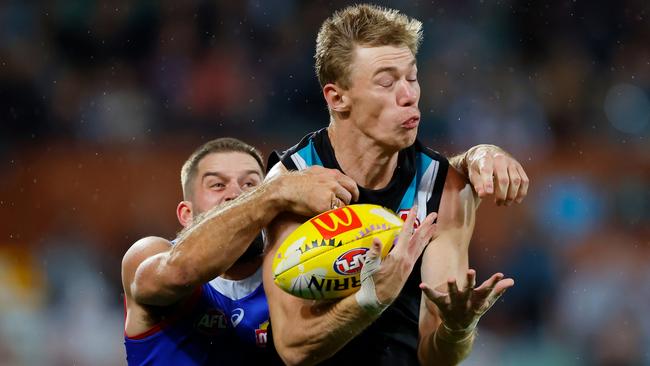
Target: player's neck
[[241, 270], [360, 158]]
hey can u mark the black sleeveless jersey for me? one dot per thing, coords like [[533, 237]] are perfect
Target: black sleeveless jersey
[[419, 177]]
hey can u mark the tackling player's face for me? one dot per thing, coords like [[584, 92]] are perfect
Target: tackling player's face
[[222, 177], [384, 95]]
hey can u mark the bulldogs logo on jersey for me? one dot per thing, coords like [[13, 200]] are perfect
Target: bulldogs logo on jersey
[[261, 334]]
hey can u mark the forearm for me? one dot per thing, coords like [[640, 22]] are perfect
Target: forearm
[[447, 347], [211, 246], [446, 257], [308, 341]]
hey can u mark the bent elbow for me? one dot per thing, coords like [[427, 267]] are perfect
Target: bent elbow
[[162, 287], [180, 279]]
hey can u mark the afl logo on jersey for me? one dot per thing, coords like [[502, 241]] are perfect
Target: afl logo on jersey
[[211, 322], [350, 262]]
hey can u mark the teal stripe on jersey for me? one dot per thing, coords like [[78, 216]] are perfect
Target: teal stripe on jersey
[[409, 196], [309, 155], [423, 162]]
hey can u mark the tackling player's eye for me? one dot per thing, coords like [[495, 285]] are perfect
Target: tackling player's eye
[[250, 184], [217, 185]]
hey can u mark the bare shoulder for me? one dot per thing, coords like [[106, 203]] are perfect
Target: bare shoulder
[[138, 252], [458, 203], [139, 318]]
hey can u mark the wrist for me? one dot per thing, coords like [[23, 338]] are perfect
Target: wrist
[[367, 299], [451, 335], [465, 160], [475, 153], [279, 201], [366, 296]]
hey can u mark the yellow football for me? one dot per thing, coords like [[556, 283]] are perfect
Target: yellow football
[[322, 258]]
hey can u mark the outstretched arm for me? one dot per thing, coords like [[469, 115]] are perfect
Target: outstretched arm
[[457, 312], [448, 319], [489, 166]]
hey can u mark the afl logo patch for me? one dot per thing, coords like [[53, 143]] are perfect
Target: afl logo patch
[[211, 322], [350, 262]]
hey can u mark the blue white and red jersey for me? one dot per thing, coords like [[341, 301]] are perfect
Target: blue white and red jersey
[[224, 322]]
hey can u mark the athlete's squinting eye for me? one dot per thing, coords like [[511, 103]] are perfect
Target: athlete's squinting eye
[[385, 81]]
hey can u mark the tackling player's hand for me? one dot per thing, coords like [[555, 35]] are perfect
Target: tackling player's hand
[[316, 189], [491, 170], [460, 310]]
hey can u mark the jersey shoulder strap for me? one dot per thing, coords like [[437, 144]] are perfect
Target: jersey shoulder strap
[[302, 155], [434, 175]]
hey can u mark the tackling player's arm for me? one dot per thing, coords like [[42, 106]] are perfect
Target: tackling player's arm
[[156, 273], [307, 332], [448, 319]]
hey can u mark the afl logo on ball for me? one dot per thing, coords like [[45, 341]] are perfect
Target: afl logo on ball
[[351, 261]]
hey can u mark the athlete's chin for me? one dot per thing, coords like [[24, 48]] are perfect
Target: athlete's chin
[[406, 138], [395, 145]]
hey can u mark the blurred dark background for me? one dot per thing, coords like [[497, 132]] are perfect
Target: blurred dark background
[[101, 102]]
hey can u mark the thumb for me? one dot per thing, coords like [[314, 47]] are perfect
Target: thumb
[[372, 261], [375, 250]]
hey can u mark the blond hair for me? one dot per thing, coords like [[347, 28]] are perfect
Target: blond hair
[[360, 25], [220, 145]]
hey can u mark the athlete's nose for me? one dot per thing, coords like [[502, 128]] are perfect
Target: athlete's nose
[[233, 191], [407, 93]]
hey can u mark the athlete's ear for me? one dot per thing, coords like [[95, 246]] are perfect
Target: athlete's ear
[[184, 213], [336, 98]]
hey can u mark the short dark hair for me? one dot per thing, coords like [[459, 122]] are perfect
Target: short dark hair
[[220, 145]]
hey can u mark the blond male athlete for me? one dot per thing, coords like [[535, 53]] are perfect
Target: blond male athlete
[[420, 304]]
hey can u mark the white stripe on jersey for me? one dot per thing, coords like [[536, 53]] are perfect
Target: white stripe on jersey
[[301, 164]]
